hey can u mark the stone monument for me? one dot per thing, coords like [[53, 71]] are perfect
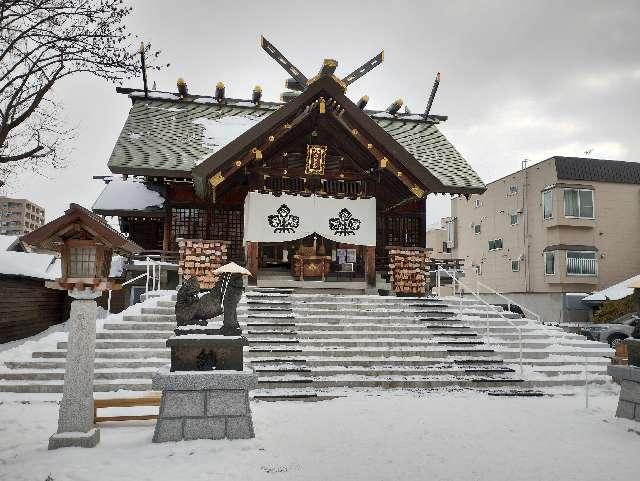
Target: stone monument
[[86, 245], [205, 390]]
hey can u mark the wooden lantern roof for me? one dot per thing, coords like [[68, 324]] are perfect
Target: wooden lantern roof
[[78, 220]]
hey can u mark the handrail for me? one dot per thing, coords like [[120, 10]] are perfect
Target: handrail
[[150, 275], [510, 301], [477, 296]]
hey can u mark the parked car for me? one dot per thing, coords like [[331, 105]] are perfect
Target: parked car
[[614, 332]]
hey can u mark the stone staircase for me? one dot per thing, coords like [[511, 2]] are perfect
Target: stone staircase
[[308, 345]]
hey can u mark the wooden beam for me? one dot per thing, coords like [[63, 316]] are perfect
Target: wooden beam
[[252, 262], [383, 160], [370, 265], [258, 151], [166, 235]]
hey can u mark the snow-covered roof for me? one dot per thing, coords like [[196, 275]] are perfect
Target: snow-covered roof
[[220, 131], [26, 264], [166, 135], [7, 242], [128, 195], [614, 292]]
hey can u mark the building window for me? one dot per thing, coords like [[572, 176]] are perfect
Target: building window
[[582, 263], [513, 218], [477, 203], [549, 263], [578, 203], [513, 189], [476, 229], [547, 204], [515, 266], [495, 244]]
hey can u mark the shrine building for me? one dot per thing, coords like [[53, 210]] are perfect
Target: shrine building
[[313, 187]]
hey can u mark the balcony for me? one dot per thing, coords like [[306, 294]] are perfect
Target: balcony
[[576, 222], [582, 267]]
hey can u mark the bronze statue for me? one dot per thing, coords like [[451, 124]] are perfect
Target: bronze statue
[[191, 309], [232, 295]]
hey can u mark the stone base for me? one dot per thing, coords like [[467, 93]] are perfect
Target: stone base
[[633, 351], [629, 402], [69, 440], [204, 405]]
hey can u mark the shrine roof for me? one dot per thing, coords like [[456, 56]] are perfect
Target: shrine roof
[[167, 135]]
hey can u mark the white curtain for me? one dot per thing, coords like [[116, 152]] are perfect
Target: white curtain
[[268, 218]]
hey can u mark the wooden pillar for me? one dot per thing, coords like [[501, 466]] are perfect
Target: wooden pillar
[[252, 262], [370, 266], [166, 237]]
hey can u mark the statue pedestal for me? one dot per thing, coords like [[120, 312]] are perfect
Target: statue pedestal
[[629, 401], [75, 419], [197, 352], [204, 404]]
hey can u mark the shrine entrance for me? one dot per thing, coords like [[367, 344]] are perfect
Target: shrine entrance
[[310, 237], [313, 258]]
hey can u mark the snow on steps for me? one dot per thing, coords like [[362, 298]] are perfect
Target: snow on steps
[[303, 346]]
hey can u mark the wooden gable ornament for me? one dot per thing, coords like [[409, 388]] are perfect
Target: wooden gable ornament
[[86, 245]]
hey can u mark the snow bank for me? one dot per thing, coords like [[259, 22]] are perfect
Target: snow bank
[[117, 266], [375, 435], [7, 242], [128, 194], [614, 292], [22, 349], [27, 264]]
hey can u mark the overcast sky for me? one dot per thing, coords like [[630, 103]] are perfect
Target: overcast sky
[[520, 80]]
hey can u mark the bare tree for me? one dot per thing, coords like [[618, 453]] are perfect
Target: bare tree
[[42, 42]]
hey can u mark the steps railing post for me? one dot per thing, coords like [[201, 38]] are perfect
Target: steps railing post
[[438, 281], [109, 303], [586, 383], [520, 342], [146, 286]]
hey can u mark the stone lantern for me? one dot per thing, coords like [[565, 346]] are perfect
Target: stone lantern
[[86, 244]]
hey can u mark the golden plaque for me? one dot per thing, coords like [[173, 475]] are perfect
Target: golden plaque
[[316, 157]]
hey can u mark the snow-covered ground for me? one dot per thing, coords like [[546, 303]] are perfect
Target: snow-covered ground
[[374, 435]]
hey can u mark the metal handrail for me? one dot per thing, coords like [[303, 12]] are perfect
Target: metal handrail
[[150, 275], [510, 301], [499, 312]]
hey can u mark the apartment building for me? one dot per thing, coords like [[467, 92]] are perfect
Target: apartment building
[[19, 216], [564, 225], [436, 240]]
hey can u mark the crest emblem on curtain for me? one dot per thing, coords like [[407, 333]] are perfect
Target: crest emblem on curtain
[[316, 157], [345, 224], [283, 221]]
